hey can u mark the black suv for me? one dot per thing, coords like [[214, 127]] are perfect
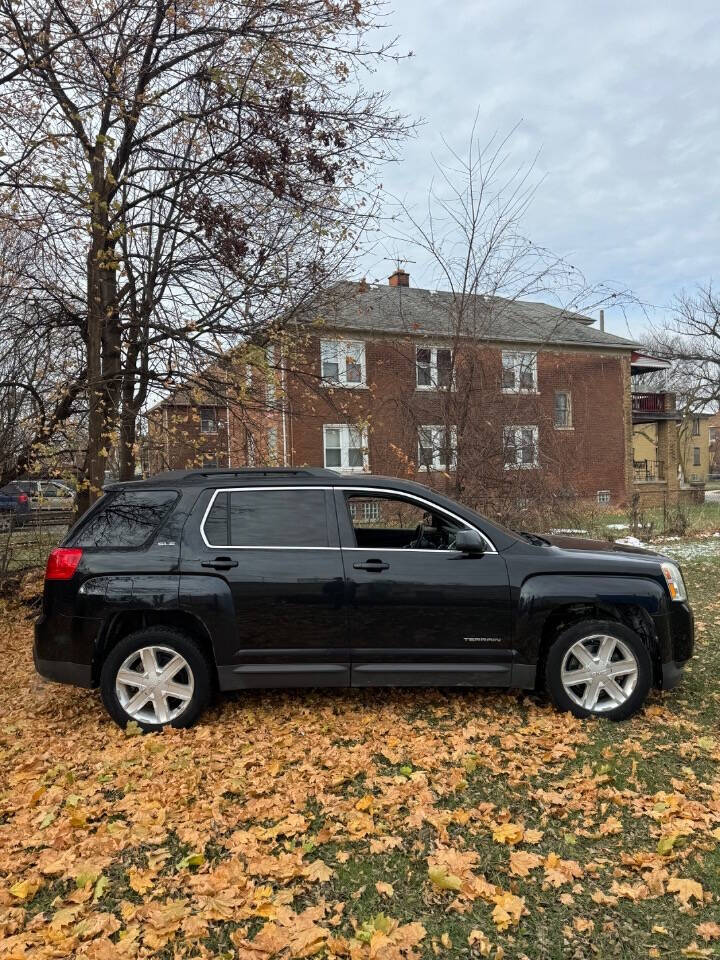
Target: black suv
[[170, 587]]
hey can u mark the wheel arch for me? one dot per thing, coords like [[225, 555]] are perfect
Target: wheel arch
[[126, 622]]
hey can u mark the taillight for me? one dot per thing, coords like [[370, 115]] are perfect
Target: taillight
[[62, 563], [23, 498]]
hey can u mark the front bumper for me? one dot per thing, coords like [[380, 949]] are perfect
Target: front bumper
[[677, 642], [672, 672]]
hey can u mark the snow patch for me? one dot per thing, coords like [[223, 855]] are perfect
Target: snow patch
[[632, 542]]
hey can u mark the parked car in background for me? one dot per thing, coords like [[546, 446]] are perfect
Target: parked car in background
[[14, 507], [170, 587], [47, 494]]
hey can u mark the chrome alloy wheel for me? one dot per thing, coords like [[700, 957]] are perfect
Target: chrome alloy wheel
[[599, 673], [154, 684]]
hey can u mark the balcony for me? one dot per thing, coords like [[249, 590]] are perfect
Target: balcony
[[648, 402], [648, 471], [647, 407]]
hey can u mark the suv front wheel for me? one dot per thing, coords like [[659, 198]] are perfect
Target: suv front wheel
[[155, 677], [599, 667]]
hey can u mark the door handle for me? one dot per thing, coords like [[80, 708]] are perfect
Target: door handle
[[373, 566], [220, 563]]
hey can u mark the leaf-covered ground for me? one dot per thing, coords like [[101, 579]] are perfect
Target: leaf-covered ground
[[388, 824]]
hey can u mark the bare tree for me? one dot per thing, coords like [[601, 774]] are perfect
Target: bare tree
[[472, 233], [181, 174], [691, 340]]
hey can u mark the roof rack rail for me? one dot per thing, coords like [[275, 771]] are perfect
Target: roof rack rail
[[262, 472]]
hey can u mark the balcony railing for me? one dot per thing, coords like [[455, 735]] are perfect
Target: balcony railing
[[648, 402], [648, 471]]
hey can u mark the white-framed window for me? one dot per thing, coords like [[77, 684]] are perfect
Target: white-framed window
[[433, 368], [562, 410], [519, 372], [343, 362], [603, 496], [345, 448], [520, 446], [208, 420], [437, 448], [370, 510]]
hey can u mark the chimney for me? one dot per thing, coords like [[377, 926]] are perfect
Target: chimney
[[399, 279], [602, 320]]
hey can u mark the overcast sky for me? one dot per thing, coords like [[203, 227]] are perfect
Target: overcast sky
[[622, 99]]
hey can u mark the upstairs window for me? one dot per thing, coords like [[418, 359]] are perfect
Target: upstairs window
[[433, 368], [343, 362], [345, 448], [208, 420], [696, 427], [520, 446], [519, 372], [562, 410], [437, 448]]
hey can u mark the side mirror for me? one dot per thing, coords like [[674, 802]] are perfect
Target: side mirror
[[470, 542]]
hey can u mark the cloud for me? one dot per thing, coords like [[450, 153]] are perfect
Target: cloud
[[621, 100]]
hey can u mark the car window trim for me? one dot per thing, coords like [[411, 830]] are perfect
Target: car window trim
[[419, 499], [259, 546]]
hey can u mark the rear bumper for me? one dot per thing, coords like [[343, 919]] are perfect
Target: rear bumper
[[64, 648], [62, 671]]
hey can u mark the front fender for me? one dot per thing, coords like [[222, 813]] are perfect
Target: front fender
[[610, 597]]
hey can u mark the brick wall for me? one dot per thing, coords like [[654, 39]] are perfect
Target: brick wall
[[595, 454]]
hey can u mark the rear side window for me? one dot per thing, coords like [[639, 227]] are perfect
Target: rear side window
[[267, 518], [127, 519]]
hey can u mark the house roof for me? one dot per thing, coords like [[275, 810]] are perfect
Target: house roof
[[417, 312], [645, 363]]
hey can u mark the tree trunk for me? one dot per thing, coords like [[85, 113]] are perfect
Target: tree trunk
[[103, 338]]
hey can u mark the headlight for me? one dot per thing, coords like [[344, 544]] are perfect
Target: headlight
[[674, 581]]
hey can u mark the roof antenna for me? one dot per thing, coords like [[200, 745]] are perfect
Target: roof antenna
[[400, 277]]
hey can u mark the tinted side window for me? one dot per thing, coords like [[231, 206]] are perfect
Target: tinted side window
[[126, 519], [268, 518]]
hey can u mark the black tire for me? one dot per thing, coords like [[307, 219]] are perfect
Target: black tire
[[171, 639], [589, 628]]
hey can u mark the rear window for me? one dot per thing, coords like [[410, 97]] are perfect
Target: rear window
[[128, 518], [267, 518]]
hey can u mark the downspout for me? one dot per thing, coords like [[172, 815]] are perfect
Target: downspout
[[284, 399]]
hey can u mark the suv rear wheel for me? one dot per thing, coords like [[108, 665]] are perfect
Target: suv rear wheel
[[156, 676], [599, 667]]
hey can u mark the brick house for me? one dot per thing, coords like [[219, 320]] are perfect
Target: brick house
[[482, 397]]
